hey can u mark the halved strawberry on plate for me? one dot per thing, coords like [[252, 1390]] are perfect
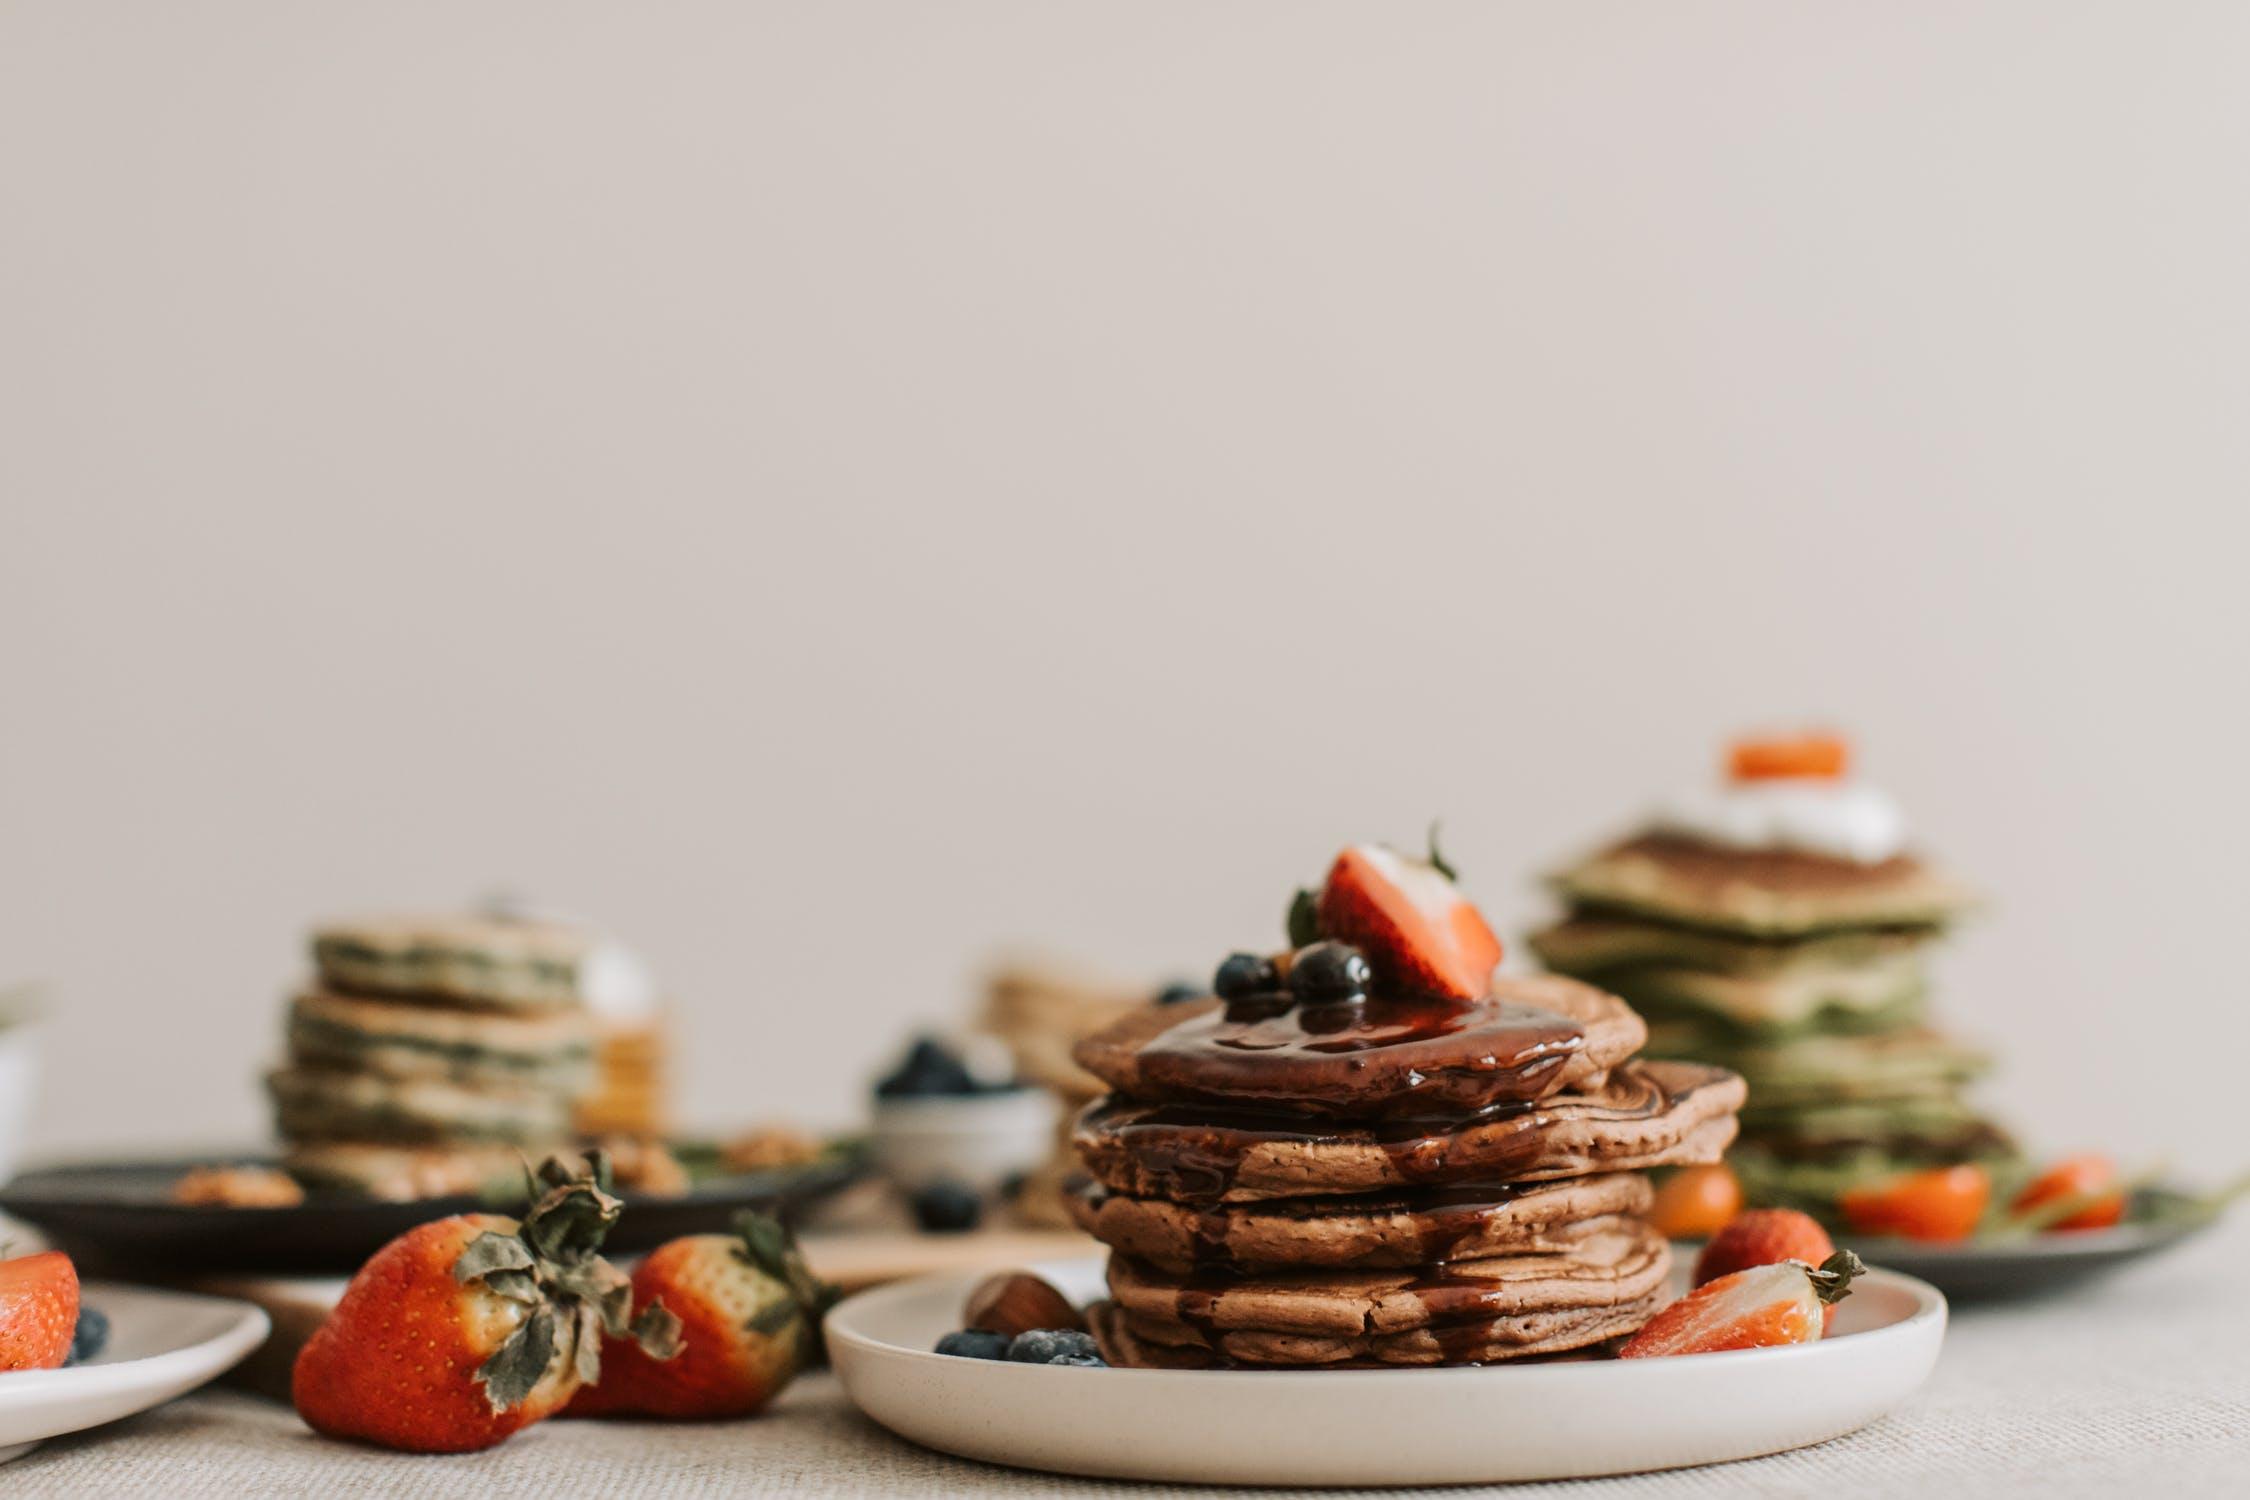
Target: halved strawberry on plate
[[1760, 1308], [1416, 928], [1766, 1237]]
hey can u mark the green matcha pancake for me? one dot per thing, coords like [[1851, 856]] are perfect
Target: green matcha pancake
[[1815, 1182], [548, 1050], [501, 964], [1593, 945], [1923, 1126], [407, 1173], [1916, 1063], [1759, 892], [329, 1104]]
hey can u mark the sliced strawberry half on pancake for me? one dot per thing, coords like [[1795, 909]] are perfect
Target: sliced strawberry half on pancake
[[1417, 930]]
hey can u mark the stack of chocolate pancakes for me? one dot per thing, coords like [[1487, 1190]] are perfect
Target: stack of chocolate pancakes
[[1395, 1179]]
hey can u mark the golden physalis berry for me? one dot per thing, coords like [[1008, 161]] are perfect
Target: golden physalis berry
[[1782, 757]]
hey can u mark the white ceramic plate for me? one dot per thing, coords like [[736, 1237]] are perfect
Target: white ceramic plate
[[161, 1345], [1376, 1427]]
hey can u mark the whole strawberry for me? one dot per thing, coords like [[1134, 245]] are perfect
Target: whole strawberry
[[38, 1310], [1761, 1237], [463, 1331], [1754, 1309], [749, 1319]]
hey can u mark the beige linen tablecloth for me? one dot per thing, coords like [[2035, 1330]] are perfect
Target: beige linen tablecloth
[[2139, 1384]]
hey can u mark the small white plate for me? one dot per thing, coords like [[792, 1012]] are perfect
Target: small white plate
[[1376, 1427], [161, 1345]]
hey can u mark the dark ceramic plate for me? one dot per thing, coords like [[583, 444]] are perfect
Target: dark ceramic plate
[[116, 1215], [2029, 1266], [2036, 1264]]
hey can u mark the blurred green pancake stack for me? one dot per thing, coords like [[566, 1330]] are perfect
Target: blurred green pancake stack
[[433, 1055], [1779, 927]]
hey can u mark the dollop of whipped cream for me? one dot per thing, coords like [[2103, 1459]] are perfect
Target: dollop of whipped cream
[[616, 983], [1843, 819]]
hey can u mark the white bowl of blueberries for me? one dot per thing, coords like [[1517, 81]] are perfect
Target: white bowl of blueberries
[[955, 1131]]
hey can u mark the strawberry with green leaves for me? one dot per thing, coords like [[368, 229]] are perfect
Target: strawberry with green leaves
[[38, 1310], [465, 1330], [1755, 1309], [749, 1319]]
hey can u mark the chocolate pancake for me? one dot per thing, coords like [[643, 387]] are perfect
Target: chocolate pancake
[[1760, 892], [1489, 1341], [1536, 1338], [1602, 1284], [1609, 1261], [1470, 1222], [1643, 1115], [1383, 1056]]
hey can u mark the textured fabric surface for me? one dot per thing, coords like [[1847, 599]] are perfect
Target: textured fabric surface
[[2138, 1384]]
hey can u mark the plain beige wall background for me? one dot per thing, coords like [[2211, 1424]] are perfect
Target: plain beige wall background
[[832, 488]]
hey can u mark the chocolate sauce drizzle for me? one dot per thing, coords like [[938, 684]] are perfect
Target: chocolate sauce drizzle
[[1191, 1153], [1381, 1056]]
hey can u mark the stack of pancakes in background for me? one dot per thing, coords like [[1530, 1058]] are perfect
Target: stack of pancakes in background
[[1398, 1178], [1040, 1011], [432, 1055], [1782, 931]]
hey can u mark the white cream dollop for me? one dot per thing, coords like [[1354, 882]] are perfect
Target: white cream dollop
[[616, 983], [1843, 819]]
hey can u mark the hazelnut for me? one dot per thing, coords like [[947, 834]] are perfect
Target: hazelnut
[[1013, 1302]]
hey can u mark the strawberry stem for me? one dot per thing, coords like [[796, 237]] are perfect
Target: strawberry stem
[[1832, 1281], [1437, 860], [551, 1264]]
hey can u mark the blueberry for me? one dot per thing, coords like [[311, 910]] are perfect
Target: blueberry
[[1244, 974], [947, 1207], [929, 1068], [1330, 971], [1055, 1346], [974, 1343], [91, 1337], [1179, 994]]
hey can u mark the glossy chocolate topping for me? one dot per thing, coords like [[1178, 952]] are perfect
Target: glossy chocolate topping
[[1378, 1057]]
